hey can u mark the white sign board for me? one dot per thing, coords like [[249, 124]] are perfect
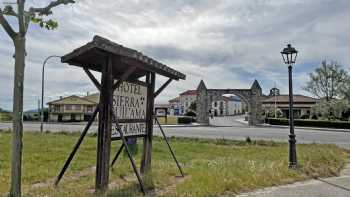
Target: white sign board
[[129, 106]]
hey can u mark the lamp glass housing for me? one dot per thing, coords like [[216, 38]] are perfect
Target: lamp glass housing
[[289, 54]]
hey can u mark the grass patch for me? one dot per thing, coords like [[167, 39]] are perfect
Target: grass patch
[[5, 116], [213, 167], [170, 120]]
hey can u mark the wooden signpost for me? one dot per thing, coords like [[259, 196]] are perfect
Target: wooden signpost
[[126, 103]]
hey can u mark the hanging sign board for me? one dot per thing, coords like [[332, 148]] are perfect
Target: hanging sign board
[[129, 106]]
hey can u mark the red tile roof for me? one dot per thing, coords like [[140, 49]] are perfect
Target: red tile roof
[[285, 99], [177, 99], [189, 92]]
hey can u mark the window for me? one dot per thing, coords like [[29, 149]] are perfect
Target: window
[[77, 107], [68, 107], [215, 104], [221, 104], [56, 108], [89, 108]]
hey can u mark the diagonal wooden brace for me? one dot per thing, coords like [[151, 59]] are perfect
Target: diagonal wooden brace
[[93, 79], [115, 120], [162, 88], [117, 155], [77, 145], [171, 151]]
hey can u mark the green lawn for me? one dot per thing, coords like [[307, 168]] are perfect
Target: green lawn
[[213, 167]]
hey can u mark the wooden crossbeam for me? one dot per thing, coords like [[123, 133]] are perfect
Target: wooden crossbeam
[[93, 79], [162, 87], [124, 77]]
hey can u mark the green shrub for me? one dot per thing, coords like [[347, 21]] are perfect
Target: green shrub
[[184, 120], [191, 113], [310, 123], [305, 116]]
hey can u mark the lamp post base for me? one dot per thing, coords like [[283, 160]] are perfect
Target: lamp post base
[[41, 127], [292, 152]]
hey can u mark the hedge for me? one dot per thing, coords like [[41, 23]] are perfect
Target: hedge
[[184, 120], [310, 123]]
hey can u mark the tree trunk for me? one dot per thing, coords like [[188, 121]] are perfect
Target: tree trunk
[[16, 170]]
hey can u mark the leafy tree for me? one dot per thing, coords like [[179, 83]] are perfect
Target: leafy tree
[[331, 110], [327, 81], [23, 17], [345, 89]]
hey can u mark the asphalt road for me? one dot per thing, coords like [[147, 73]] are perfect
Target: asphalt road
[[236, 130]]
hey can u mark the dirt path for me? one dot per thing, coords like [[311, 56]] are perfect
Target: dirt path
[[114, 184]]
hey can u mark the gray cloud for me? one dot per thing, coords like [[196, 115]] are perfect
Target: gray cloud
[[226, 43]]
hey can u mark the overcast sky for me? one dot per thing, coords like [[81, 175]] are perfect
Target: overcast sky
[[227, 43]]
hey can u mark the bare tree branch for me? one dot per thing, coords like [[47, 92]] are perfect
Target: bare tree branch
[[7, 26], [27, 18], [47, 10]]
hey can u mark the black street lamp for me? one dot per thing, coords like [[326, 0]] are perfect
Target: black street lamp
[[289, 55]]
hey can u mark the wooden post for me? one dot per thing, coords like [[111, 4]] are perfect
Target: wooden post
[[104, 128], [147, 142]]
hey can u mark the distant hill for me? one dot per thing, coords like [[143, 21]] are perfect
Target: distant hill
[[3, 110]]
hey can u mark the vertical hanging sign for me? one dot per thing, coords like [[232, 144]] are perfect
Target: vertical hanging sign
[[129, 106]]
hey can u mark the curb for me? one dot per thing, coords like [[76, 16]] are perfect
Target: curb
[[311, 128]]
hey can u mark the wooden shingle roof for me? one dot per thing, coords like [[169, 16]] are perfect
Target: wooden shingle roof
[[95, 53]]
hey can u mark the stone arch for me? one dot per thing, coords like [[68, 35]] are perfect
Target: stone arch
[[251, 96]]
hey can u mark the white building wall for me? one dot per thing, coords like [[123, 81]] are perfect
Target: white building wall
[[228, 108], [219, 108], [234, 107], [185, 102]]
